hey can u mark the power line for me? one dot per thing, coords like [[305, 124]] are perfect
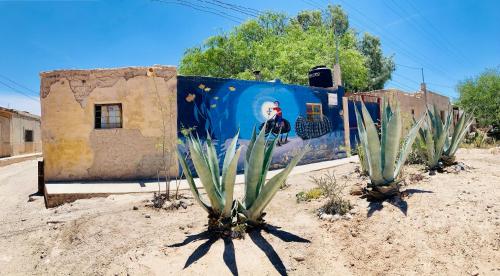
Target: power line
[[406, 66], [203, 9], [241, 8], [420, 28], [452, 47], [19, 92], [396, 43], [20, 85], [442, 85]]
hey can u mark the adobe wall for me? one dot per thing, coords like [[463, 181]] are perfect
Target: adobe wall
[[74, 150]]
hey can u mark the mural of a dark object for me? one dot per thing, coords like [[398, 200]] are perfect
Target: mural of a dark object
[[220, 107]]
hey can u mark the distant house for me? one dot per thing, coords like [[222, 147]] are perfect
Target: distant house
[[19, 133], [413, 103]]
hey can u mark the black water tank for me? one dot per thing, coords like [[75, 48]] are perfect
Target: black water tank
[[321, 76]]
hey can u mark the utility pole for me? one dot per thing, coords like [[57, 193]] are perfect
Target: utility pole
[[423, 86], [336, 67]]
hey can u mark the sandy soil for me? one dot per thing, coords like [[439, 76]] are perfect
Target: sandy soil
[[451, 227]]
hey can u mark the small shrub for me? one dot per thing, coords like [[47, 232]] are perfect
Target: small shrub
[[314, 193], [335, 206], [418, 153], [336, 203]]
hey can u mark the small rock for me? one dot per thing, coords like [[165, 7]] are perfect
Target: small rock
[[181, 227], [347, 216], [356, 190], [135, 208], [189, 225], [335, 217], [325, 216], [353, 211], [489, 206], [299, 258], [147, 216], [30, 199]]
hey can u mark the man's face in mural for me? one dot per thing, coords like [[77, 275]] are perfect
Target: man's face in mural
[[276, 104]]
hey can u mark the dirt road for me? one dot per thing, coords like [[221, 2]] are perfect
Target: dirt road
[[449, 225]]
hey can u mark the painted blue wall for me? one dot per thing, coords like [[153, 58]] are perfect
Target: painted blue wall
[[221, 107]]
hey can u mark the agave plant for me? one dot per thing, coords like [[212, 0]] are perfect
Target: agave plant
[[258, 193], [435, 134], [219, 188], [385, 156], [459, 131]]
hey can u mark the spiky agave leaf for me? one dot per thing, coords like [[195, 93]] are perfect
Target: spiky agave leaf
[[192, 185], [459, 131], [391, 135], [228, 181], [387, 150], [406, 148], [203, 168], [369, 138], [253, 168], [254, 213], [435, 134]]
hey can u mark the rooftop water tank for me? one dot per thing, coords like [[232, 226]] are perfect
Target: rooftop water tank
[[321, 76]]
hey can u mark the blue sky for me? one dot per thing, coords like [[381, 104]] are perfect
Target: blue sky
[[451, 39]]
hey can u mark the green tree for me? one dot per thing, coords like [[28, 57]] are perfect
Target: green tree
[[481, 96], [285, 48], [379, 67]]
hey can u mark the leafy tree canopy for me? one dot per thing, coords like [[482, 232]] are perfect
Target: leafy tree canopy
[[287, 48], [481, 95]]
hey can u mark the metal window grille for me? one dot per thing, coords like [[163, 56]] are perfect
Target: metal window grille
[[108, 116]]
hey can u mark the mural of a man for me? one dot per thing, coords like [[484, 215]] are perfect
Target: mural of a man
[[278, 117]]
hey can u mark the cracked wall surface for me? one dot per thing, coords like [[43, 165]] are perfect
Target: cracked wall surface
[[74, 150]]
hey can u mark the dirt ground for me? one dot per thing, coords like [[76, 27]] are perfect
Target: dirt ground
[[448, 225]]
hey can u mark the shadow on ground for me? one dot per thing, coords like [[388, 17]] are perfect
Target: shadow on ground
[[229, 256], [397, 201]]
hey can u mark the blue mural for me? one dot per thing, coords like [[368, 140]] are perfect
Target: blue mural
[[372, 104], [296, 115]]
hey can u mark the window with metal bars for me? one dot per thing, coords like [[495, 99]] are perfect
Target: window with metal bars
[[108, 116]]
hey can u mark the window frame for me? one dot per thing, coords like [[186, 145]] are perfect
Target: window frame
[[32, 136], [98, 123], [311, 114]]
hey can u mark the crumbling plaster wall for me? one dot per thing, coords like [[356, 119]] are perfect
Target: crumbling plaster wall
[[74, 150]]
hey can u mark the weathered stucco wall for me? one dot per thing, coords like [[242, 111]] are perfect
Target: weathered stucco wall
[[19, 124], [74, 150], [13, 124], [414, 101], [5, 149]]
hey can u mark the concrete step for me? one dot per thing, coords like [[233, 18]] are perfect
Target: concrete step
[[4, 161], [63, 192]]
